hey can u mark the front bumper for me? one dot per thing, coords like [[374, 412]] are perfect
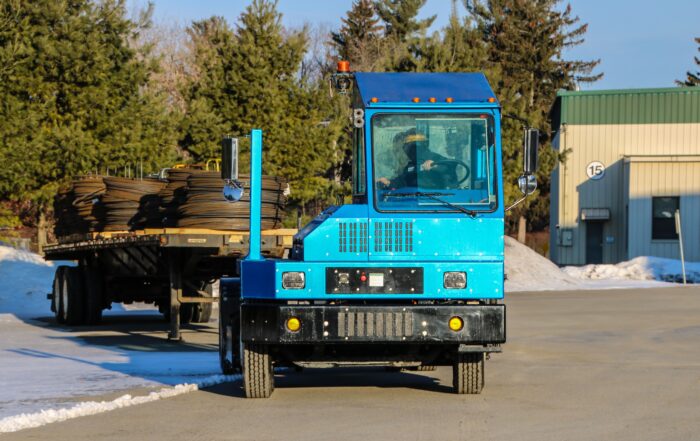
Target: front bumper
[[265, 323]]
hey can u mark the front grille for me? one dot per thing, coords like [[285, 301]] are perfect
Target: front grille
[[352, 237], [396, 237], [375, 324]]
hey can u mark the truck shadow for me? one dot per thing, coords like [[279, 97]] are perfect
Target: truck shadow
[[336, 378]]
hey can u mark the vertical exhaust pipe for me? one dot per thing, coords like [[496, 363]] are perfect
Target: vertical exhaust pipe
[[255, 194]]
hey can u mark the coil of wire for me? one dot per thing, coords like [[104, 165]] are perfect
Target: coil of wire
[[78, 209], [132, 203], [205, 207]]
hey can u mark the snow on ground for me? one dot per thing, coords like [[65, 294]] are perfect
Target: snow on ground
[[44, 366], [530, 271], [639, 268]]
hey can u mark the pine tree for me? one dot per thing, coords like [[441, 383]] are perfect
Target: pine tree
[[457, 48], [74, 97], [400, 19], [692, 79], [248, 78], [405, 33], [359, 39], [526, 39]]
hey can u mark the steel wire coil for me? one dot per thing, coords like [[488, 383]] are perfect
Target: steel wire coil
[[132, 203], [205, 207], [78, 209]]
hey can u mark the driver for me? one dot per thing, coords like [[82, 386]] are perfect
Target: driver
[[420, 158]]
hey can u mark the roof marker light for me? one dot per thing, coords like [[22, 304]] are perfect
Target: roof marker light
[[416, 100], [343, 66], [449, 99], [492, 100], [375, 99], [432, 99]]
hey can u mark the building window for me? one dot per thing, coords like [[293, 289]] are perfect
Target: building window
[[663, 222]]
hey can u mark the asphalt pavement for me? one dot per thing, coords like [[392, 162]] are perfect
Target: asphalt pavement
[[578, 365]]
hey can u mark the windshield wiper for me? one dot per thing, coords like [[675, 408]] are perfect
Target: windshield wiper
[[433, 196]]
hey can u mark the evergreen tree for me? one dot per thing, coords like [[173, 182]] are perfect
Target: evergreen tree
[[405, 34], [526, 38], [359, 39], [248, 78], [692, 79], [400, 19], [74, 99]]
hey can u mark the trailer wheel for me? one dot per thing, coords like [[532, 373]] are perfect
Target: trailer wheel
[[57, 300], [258, 376], [468, 373], [229, 339], [94, 292], [202, 311], [73, 296]]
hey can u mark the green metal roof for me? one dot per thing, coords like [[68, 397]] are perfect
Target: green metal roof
[[627, 106]]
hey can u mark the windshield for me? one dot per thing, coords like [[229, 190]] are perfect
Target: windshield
[[450, 157]]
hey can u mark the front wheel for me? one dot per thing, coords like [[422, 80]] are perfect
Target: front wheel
[[258, 376], [468, 373]]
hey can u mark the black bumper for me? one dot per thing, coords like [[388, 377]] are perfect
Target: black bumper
[[483, 324]]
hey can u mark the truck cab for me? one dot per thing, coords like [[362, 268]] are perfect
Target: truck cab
[[410, 274]]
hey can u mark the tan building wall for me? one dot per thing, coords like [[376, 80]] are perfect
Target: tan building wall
[[663, 176], [609, 144]]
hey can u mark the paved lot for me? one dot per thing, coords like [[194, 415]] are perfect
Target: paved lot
[[609, 365]]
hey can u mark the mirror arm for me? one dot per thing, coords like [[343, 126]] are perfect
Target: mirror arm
[[516, 203]]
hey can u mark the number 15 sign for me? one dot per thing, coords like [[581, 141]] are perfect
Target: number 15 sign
[[595, 170]]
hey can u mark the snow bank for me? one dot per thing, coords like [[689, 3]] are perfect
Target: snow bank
[[529, 271], [27, 421], [639, 268], [25, 279]]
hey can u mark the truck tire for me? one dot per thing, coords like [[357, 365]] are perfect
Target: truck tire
[[468, 373], [57, 300], [201, 312], [424, 368], [258, 376], [94, 295], [73, 296]]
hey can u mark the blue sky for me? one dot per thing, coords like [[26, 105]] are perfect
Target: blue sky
[[641, 43]]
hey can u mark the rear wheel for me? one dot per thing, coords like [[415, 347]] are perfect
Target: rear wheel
[[201, 312], [73, 296], [94, 295], [258, 376], [57, 300], [468, 373]]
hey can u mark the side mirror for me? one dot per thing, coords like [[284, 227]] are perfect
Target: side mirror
[[229, 159], [527, 184], [531, 144], [233, 190]]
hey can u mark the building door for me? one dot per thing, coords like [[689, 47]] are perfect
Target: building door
[[594, 242]]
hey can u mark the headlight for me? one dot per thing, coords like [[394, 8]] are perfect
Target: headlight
[[455, 280], [293, 280]]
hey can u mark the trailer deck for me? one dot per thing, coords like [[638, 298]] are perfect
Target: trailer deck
[[174, 268]]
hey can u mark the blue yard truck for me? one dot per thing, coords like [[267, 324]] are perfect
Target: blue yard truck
[[410, 274]]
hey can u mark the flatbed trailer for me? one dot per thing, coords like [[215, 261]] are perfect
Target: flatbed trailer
[[173, 268]]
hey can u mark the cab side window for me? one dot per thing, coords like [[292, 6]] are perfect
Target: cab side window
[[358, 165]]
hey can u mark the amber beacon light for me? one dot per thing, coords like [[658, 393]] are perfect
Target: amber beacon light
[[343, 66]]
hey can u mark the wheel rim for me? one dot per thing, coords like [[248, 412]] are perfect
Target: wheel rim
[[64, 297]]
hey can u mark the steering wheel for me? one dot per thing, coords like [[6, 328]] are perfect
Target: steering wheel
[[455, 163]]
